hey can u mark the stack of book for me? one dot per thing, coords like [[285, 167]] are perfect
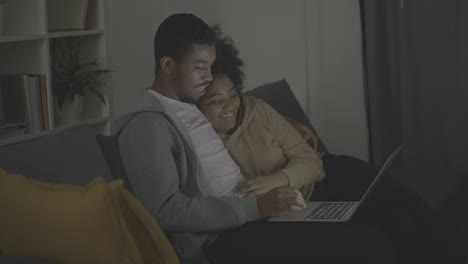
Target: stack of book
[[24, 105]]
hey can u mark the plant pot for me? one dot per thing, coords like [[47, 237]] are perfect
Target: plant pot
[[70, 112]]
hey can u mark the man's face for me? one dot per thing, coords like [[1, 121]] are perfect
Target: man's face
[[193, 73]]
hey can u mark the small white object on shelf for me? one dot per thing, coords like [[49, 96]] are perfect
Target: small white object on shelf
[[70, 110], [66, 15]]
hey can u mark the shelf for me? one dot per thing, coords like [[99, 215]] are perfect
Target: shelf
[[26, 47], [65, 34], [61, 34], [9, 39], [90, 121], [26, 137]]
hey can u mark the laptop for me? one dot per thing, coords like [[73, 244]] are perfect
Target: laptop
[[339, 211]]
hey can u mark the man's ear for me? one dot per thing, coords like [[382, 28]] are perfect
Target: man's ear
[[168, 65]]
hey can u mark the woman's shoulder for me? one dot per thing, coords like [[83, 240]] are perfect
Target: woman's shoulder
[[257, 112], [255, 103], [250, 99], [253, 106], [257, 106]]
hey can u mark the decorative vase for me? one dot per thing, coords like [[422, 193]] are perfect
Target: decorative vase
[[70, 112]]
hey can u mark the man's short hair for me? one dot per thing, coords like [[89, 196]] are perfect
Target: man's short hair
[[177, 34], [227, 60]]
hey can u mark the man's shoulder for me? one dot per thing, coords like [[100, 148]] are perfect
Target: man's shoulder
[[146, 105], [145, 101], [144, 117]]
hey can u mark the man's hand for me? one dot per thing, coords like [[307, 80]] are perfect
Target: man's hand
[[280, 201], [261, 184], [305, 132]]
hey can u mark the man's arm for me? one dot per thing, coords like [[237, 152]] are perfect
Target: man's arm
[[150, 151]]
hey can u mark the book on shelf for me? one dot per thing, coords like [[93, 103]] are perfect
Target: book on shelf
[[13, 104], [2, 112], [33, 101], [46, 124], [91, 15], [22, 101], [11, 130], [63, 15]]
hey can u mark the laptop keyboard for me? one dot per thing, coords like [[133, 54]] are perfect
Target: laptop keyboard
[[330, 210]]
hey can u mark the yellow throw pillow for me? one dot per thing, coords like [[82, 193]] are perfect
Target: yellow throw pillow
[[63, 223], [150, 239]]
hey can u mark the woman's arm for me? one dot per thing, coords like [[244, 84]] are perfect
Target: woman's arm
[[303, 168], [304, 131], [304, 165]]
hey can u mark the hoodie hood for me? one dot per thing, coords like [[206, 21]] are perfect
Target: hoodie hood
[[249, 104]]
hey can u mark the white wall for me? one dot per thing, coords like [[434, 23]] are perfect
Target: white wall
[[314, 44], [336, 89], [204, 9], [270, 36], [130, 33]]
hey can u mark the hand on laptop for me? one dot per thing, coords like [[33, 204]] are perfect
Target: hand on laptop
[[261, 185], [280, 201]]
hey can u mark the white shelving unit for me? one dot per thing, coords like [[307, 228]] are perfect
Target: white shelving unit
[[25, 49]]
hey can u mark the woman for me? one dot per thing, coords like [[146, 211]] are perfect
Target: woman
[[269, 151], [264, 144]]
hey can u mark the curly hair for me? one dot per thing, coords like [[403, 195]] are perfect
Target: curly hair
[[227, 60]]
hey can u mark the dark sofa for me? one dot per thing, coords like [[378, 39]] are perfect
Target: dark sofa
[[75, 155]]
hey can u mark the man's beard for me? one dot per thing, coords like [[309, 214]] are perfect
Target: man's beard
[[184, 99]]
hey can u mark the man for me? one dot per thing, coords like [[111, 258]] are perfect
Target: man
[[164, 170]]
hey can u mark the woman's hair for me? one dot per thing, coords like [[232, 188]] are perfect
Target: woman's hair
[[227, 60]]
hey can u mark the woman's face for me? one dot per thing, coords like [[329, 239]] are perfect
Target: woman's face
[[220, 104]]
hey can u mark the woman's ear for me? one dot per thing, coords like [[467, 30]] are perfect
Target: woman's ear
[[167, 65]]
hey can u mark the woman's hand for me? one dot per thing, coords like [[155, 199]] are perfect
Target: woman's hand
[[305, 132], [261, 184]]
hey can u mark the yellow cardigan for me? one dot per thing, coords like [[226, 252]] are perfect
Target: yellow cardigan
[[264, 143]]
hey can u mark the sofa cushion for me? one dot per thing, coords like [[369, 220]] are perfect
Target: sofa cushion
[[280, 97], [22, 260], [149, 237], [70, 156], [63, 223], [98, 223]]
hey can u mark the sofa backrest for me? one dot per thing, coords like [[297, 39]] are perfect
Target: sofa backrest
[[75, 155], [279, 95], [110, 148], [71, 156]]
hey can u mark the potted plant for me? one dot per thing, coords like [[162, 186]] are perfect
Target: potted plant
[[72, 79]]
